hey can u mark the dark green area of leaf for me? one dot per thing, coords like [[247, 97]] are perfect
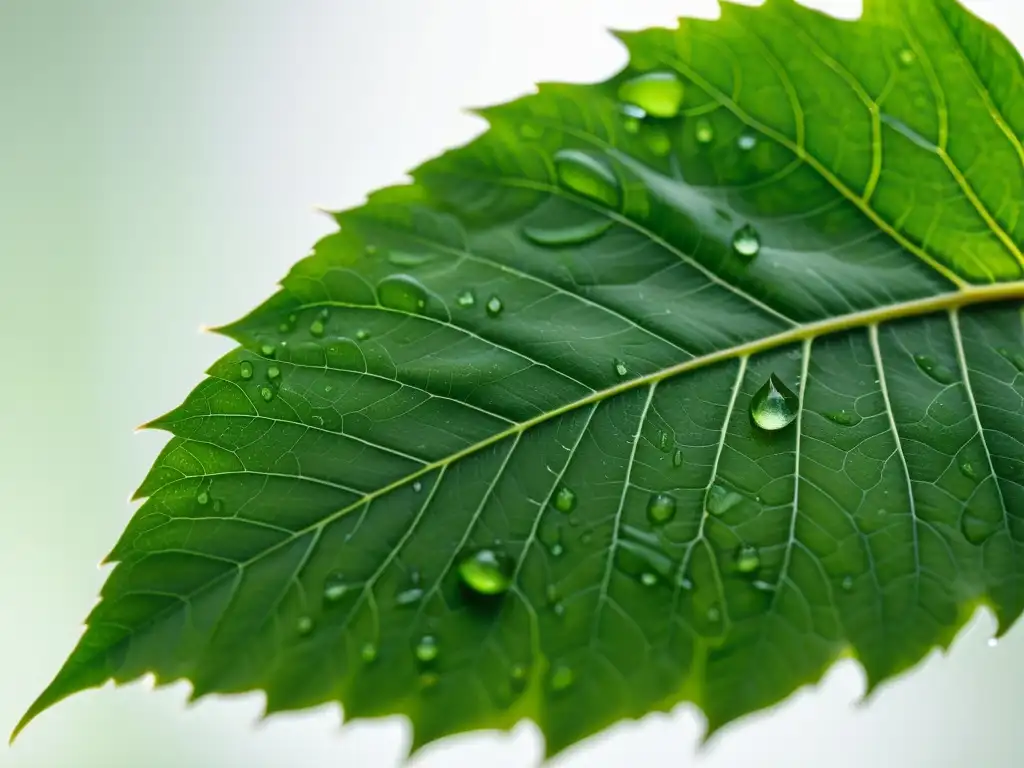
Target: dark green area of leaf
[[542, 355]]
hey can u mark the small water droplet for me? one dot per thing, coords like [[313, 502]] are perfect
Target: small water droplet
[[648, 579], [368, 652], [762, 586], [304, 625], [530, 131], [746, 141], [661, 508], [565, 499], [713, 614], [847, 583], [704, 132], [557, 550], [586, 537], [558, 609], [417, 486], [747, 560], [267, 393], [245, 370], [402, 293], [494, 306], [268, 350], [409, 596], [967, 470], [993, 642], [335, 587], [370, 249], [561, 677], [203, 497], [620, 369], [746, 242], [273, 372], [466, 299], [683, 582], [426, 649], [362, 334], [658, 142], [843, 418], [659, 94], [720, 500], [632, 116], [316, 328], [1016, 359], [486, 572], [906, 57], [774, 406], [677, 459], [664, 441], [218, 505], [938, 373], [518, 674], [588, 176], [551, 594], [976, 530]]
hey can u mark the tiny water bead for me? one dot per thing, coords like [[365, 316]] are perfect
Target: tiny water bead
[[747, 559], [245, 370], [203, 498], [648, 579], [362, 334], [664, 441], [409, 597], [402, 293], [304, 625], [843, 418], [273, 372], [267, 393], [426, 649], [494, 306], [935, 371], [847, 583], [518, 674], [417, 486], [659, 94], [906, 57], [620, 369], [677, 458], [632, 115], [486, 572], [746, 141], [466, 299], [561, 677], [976, 530], [557, 550], [530, 131], [661, 508], [774, 406], [704, 132], [565, 499], [746, 242], [588, 176], [316, 328], [720, 500], [368, 652], [993, 642], [268, 350], [658, 142], [335, 587], [967, 470]]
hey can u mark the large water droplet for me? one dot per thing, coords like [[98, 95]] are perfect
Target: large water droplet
[[939, 373], [660, 94], [746, 242], [335, 587], [486, 572], [747, 560], [565, 499], [466, 299], [661, 508], [273, 372], [720, 500], [588, 176], [426, 649], [704, 132], [245, 370], [268, 350], [561, 677], [409, 596], [494, 306], [402, 293], [774, 406], [579, 229]]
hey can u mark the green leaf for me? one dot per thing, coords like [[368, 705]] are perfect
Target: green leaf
[[490, 452]]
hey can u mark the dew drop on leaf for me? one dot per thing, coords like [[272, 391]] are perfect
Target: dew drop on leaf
[[720, 500], [273, 372], [906, 57], [561, 677], [368, 652], [661, 508], [648, 579], [664, 441], [747, 560], [466, 299], [362, 334], [568, 233], [746, 242], [402, 293], [677, 458], [632, 116], [704, 132], [245, 370], [843, 418], [494, 306], [417, 486], [565, 499], [588, 176], [203, 498], [659, 94], [335, 587], [976, 530], [409, 597], [426, 649], [713, 614], [774, 406], [316, 328], [518, 675], [486, 572], [557, 550], [304, 625], [658, 142], [620, 369], [746, 141], [938, 373], [967, 470], [268, 350], [847, 583], [267, 393]]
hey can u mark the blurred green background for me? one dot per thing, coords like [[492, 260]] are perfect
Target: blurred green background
[[159, 164]]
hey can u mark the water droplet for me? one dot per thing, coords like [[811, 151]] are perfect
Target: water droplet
[[967, 470], [409, 596], [565, 499], [316, 328], [494, 306], [661, 508], [677, 459], [561, 677], [402, 293], [362, 334], [664, 441], [774, 406], [746, 242], [588, 176], [370, 249], [267, 350], [218, 505], [335, 587], [843, 418], [720, 500], [648, 579], [273, 372], [368, 652], [518, 674], [557, 550], [267, 393], [906, 57], [487, 572], [976, 530], [586, 537], [938, 373], [993, 642], [658, 142], [1016, 359], [465, 299], [304, 625], [203, 497], [417, 486], [558, 609], [747, 560], [713, 614], [632, 115], [530, 131], [659, 94], [683, 582], [426, 649], [746, 141], [762, 586], [847, 583], [704, 132], [620, 369], [245, 370], [583, 229], [284, 328]]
